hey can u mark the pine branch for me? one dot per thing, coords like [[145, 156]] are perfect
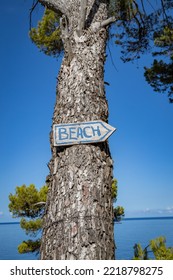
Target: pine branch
[[34, 5]]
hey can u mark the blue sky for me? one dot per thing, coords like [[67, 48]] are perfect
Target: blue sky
[[141, 147]]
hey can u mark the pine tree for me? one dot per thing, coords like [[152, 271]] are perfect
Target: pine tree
[[28, 204], [157, 247], [160, 74], [78, 221], [118, 210]]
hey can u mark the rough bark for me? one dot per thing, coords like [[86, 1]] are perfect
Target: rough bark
[[78, 221], [58, 5]]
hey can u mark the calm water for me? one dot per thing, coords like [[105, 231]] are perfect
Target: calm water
[[127, 233], [132, 231], [11, 235]]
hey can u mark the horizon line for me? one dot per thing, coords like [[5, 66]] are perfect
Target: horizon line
[[123, 219]]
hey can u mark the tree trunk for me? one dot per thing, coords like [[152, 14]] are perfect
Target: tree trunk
[[78, 221]]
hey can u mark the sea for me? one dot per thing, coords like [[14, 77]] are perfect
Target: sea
[[127, 232]]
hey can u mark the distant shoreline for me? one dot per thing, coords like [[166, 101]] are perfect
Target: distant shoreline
[[123, 219], [149, 218], [9, 223]]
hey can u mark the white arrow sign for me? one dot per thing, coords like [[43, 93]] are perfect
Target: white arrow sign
[[81, 133]]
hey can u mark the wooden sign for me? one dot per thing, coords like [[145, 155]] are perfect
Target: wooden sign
[[81, 133]]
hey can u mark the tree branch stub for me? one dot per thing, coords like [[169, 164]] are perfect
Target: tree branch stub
[[98, 25]]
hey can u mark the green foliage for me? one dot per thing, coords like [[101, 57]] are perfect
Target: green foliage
[[144, 27], [26, 201], [114, 189], [118, 213], [29, 202], [29, 246], [32, 226], [47, 35], [161, 252], [164, 39], [157, 247], [135, 25], [139, 253], [140, 27], [119, 210], [160, 74], [124, 10]]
